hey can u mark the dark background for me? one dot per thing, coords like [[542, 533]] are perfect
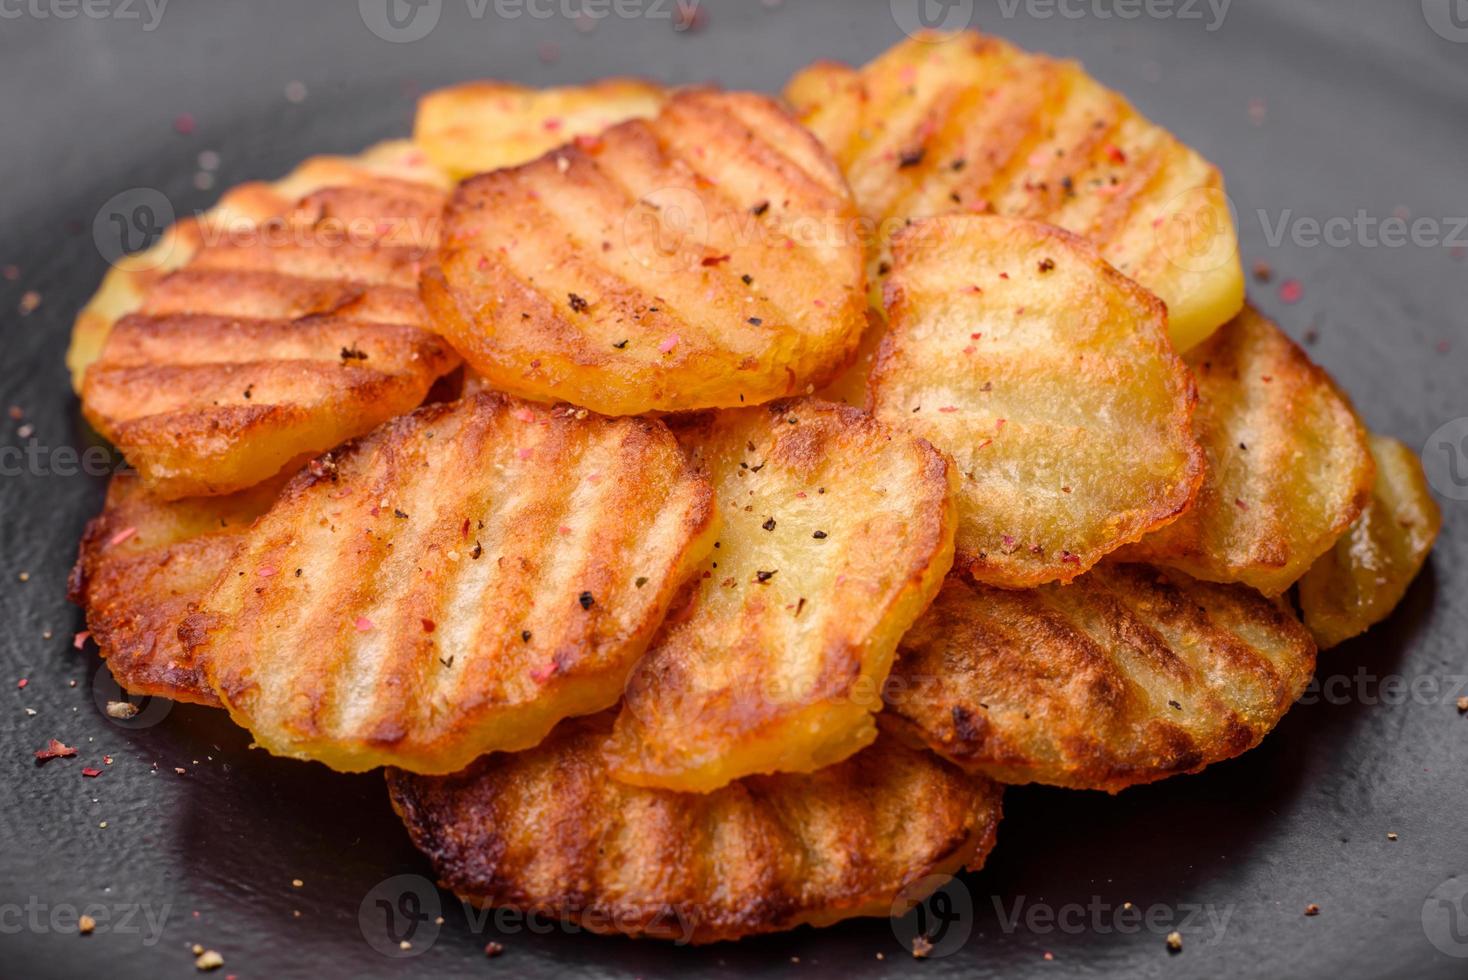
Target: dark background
[[1313, 108]]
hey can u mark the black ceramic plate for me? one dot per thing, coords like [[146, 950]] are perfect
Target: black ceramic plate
[[1315, 109]]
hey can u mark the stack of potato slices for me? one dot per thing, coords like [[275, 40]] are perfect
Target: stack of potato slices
[[703, 505]]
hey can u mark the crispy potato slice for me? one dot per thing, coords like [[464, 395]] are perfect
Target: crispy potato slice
[[1289, 468], [239, 209], [975, 124], [143, 562], [1127, 676], [274, 342], [455, 583], [479, 126], [707, 258], [1359, 581], [1050, 379], [837, 533], [549, 831]]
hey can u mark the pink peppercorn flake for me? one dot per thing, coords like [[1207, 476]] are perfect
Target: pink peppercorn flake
[[183, 124], [121, 536], [20, 684], [668, 344], [54, 749], [363, 624], [91, 773], [1291, 291], [80, 640]]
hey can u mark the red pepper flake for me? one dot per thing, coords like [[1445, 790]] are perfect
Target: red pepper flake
[[544, 672], [589, 144], [80, 640], [429, 626], [183, 124], [493, 949], [55, 750], [668, 344], [91, 773], [1115, 153], [363, 624], [267, 571], [107, 760], [1240, 504], [552, 125], [1291, 291], [948, 409], [121, 536], [710, 261], [1443, 346], [1066, 558]]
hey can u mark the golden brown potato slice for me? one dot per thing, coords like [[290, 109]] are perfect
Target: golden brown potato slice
[[1288, 464], [479, 126], [1358, 583], [707, 258], [239, 209], [837, 533], [975, 124], [549, 831], [274, 342], [1050, 379], [455, 583], [1129, 675], [143, 562]]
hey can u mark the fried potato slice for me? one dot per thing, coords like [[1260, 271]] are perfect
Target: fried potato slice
[[475, 127], [837, 533], [455, 583], [1359, 581], [274, 342], [1127, 676], [1289, 467], [974, 124], [239, 209], [143, 562], [708, 258], [550, 831], [1050, 379]]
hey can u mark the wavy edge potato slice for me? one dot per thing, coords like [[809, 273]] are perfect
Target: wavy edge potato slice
[[1128, 675], [456, 582], [1278, 431], [707, 258], [970, 122], [128, 280], [142, 563], [837, 533], [1015, 347], [550, 832], [1366, 573], [474, 127]]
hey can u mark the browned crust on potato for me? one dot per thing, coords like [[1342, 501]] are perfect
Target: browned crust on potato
[[837, 532], [550, 831], [142, 564], [1129, 675], [454, 583], [275, 341], [707, 258], [1050, 379], [1289, 467]]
